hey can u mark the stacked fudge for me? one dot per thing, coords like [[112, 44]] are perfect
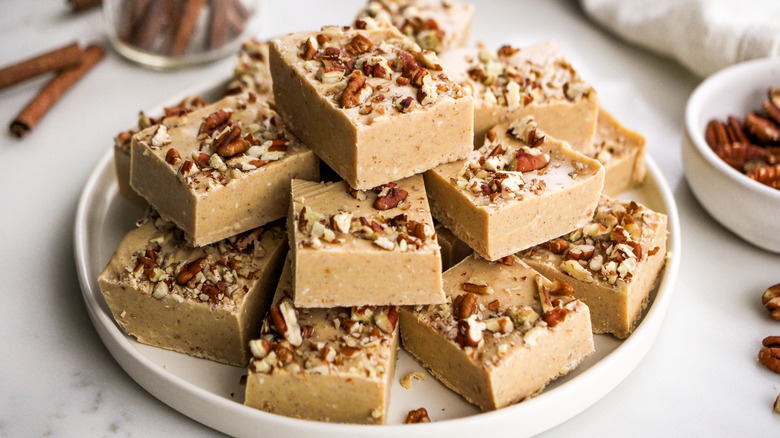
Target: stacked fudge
[[492, 267]]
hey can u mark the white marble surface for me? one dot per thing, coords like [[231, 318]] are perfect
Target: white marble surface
[[700, 378]]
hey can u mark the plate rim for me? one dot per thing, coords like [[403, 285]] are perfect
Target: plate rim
[[552, 407]]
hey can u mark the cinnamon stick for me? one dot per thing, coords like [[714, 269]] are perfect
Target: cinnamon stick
[[80, 5], [67, 56], [218, 24], [188, 19], [48, 96]]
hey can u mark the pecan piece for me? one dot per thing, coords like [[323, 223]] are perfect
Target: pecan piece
[[561, 288], [172, 157], [386, 318], [554, 316], [417, 416], [507, 50], [391, 199], [525, 162], [213, 121], [465, 305], [771, 300], [190, 270], [358, 45], [356, 92], [479, 289], [556, 246]]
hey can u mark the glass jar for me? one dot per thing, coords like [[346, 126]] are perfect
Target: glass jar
[[168, 34]]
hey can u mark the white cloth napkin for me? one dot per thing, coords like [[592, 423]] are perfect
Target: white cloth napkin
[[703, 35]]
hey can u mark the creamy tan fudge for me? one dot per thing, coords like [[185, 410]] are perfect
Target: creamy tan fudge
[[224, 170], [453, 250], [511, 83], [504, 333], [123, 139], [612, 263], [352, 248], [206, 302], [622, 153], [333, 364], [252, 72], [520, 189], [370, 103], [436, 25]]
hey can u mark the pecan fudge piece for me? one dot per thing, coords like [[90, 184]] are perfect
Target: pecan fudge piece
[[352, 248], [434, 24], [370, 103], [252, 72], [333, 364], [612, 263], [224, 170], [453, 250], [504, 333], [510, 83], [520, 189], [206, 302], [622, 153], [123, 139]]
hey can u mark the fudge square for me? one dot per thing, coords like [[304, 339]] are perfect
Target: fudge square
[[333, 364], [206, 302], [352, 248], [434, 24], [510, 83], [504, 333], [612, 263], [224, 170], [123, 140], [520, 189], [622, 153], [370, 103]]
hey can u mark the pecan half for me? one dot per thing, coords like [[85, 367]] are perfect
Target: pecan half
[[769, 176], [763, 129], [716, 134], [525, 162], [771, 300], [770, 358]]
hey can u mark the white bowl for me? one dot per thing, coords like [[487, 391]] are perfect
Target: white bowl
[[748, 208]]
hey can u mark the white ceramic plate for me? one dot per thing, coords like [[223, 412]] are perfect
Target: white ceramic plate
[[212, 394]]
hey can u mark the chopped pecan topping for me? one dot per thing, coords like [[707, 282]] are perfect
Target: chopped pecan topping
[[356, 92], [358, 45], [214, 121], [391, 199]]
